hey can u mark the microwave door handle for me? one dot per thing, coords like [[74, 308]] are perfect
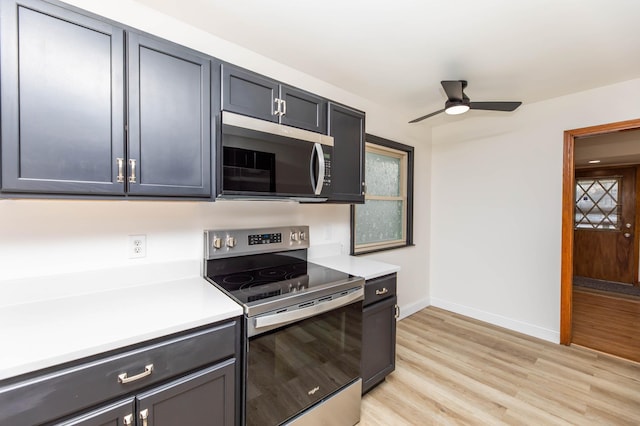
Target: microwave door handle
[[316, 183]]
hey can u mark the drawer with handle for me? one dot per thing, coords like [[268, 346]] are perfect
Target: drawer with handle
[[61, 392], [380, 288]]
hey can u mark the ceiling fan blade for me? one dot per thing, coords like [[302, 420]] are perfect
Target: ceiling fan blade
[[426, 116], [495, 106], [453, 89]]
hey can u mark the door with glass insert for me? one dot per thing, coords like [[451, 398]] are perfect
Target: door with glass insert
[[604, 228]]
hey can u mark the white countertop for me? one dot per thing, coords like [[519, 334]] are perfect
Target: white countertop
[[358, 266], [46, 321]]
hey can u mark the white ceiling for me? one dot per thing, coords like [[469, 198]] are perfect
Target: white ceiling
[[396, 52]]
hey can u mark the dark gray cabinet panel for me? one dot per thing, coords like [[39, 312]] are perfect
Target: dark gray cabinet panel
[[251, 94], [347, 165], [378, 330], [169, 119], [378, 342], [62, 100], [303, 110], [121, 413], [247, 93], [202, 398]]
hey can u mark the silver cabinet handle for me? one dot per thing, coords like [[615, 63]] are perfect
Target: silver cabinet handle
[[127, 420], [132, 165], [279, 104], [120, 178], [397, 311], [284, 109], [144, 415], [123, 378], [382, 291]]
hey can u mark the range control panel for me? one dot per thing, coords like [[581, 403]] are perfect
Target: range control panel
[[239, 242], [265, 238]]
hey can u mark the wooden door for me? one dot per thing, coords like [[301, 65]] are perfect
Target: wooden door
[[169, 119], [62, 100], [604, 236]]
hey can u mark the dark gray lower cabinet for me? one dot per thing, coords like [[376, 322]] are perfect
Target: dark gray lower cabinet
[[120, 413], [191, 378], [202, 398], [378, 330]]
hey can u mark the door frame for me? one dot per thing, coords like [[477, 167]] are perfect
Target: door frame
[[568, 187]]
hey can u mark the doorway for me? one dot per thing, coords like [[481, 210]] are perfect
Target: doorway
[[571, 241]]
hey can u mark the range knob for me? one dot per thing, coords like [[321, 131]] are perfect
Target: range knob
[[303, 236], [217, 243], [294, 236], [231, 242]]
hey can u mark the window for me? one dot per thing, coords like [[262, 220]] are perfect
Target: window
[[385, 220], [597, 203]]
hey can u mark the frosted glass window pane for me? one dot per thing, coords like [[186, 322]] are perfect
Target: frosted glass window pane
[[597, 203], [383, 174], [378, 221]]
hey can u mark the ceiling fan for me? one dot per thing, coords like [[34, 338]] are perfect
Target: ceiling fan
[[458, 103]]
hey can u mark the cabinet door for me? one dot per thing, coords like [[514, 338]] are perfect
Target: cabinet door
[[62, 100], [303, 110], [246, 93], [378, 342], [347, 164], [202, 398], [119, 414], [169, 119]]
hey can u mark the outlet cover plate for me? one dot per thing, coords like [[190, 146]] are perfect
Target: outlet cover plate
[[137, 246]]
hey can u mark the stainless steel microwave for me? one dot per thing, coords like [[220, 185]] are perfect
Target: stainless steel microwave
[[261, 159]]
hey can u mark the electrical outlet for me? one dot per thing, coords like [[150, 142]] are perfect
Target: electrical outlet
[[137, 246]]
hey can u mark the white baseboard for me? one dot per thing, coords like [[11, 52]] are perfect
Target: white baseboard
[[512, 324], [412, 308]]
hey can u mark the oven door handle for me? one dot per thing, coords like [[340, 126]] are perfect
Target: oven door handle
[[300, 314]]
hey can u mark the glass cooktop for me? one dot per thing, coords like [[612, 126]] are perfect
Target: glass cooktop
[[264, 277]]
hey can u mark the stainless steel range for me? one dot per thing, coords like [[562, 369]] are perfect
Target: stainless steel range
[[303, 326]]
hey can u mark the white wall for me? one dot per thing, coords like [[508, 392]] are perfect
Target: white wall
[[496, 207], [40, 237]]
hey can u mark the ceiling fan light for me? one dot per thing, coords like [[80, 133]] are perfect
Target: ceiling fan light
[[457, 109]]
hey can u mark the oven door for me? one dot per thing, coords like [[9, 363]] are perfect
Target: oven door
[[292, 367]]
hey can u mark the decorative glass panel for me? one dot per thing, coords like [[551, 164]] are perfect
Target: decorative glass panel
[[597, 203], [383, 174], [378, 221]]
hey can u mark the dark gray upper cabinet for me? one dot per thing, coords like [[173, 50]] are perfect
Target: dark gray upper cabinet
[[62, 100], [169, 119], [251, 94], [346, 125]]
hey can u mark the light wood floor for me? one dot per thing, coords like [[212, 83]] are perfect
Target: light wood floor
[[607, 322], [455, 370]]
